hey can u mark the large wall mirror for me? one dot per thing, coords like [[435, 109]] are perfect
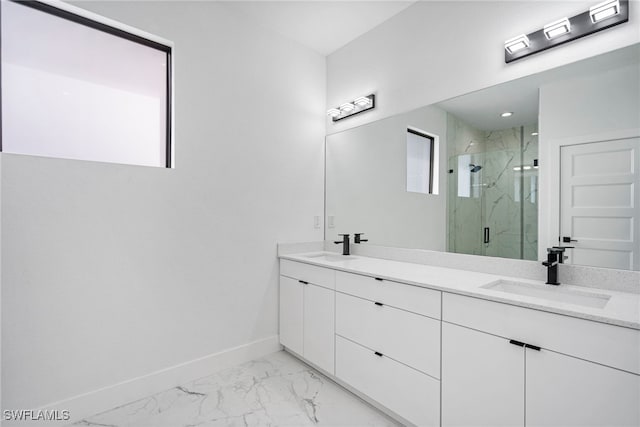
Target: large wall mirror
[[507, 171]]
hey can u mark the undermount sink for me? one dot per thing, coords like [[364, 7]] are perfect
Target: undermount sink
[[550, 293], [330, 257]]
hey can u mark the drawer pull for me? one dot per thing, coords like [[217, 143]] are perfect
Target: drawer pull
[[303, 282], [377, 353], [379, 279], [532, 347], [378, 303], [518, 343]]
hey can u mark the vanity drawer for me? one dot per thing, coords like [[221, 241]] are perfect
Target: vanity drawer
[[407, 297], [320, 276], [405, 391], [404, 336], [609, 345]]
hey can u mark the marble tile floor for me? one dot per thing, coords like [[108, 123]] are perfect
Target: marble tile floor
[[276, 390]]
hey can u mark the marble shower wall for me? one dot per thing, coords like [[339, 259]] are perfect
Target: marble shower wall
[[530, 193], [502, 195]]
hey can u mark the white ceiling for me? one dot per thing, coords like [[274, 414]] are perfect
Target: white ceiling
[[324, 26]]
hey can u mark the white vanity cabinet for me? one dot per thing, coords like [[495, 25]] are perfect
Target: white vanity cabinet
[[507, 365], [388, 344], [482, 379], [307, 312]]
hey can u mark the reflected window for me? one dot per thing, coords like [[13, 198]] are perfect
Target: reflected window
[[421, 150]]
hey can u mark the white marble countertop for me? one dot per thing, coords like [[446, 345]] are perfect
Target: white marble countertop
[[622, 309]]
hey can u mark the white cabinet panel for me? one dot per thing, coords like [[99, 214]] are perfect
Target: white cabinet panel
[[565, 391], [610, 345], [401, 335], [482, 379], [308, 273], [407, 297], [401, 389], [291, 317], [319, 318]]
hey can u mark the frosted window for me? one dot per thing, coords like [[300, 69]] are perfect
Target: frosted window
[[72, 91], [420, 152]]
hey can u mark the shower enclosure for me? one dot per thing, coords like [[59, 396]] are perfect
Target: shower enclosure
[[493, 190]]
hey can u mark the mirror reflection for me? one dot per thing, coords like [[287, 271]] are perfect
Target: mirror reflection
[[507, 171], [493, 190]]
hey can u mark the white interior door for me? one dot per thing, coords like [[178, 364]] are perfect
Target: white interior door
[[599, 203]]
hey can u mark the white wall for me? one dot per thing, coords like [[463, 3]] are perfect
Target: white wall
[[435, 50], [366, 183], [597, 107], [110, 272]]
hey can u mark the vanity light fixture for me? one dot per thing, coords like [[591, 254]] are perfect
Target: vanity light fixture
[[507, 114], [603, 15], [348, 109], [334, 112], [363, 101], [557, 28], [604, 10], [517, 43]]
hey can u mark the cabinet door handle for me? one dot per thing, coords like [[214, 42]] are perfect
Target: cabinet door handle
[[378, 303], [379, 279], [532, 347], [518, 343], [303, 282], [377, 353]]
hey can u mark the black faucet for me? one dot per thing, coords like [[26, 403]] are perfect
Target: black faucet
[[358, 239], [553, 256], [345, 243]]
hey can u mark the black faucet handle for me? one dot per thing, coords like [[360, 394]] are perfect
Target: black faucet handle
[[358, 239], [345, 239]]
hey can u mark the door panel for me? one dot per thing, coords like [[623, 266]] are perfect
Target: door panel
[[319, 315], [482, 379], [565, 391], [291, 306]]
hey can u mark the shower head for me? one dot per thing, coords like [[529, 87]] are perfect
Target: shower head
[[475, 168]]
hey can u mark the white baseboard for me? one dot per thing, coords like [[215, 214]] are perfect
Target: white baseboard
[[97, 401]]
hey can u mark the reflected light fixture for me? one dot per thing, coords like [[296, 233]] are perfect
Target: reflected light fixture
[[507, 114], [557, 28], [348, 109], [601, 16], [604, 10], [517, 43], [363, 101], [333, 112], [534, 133]]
